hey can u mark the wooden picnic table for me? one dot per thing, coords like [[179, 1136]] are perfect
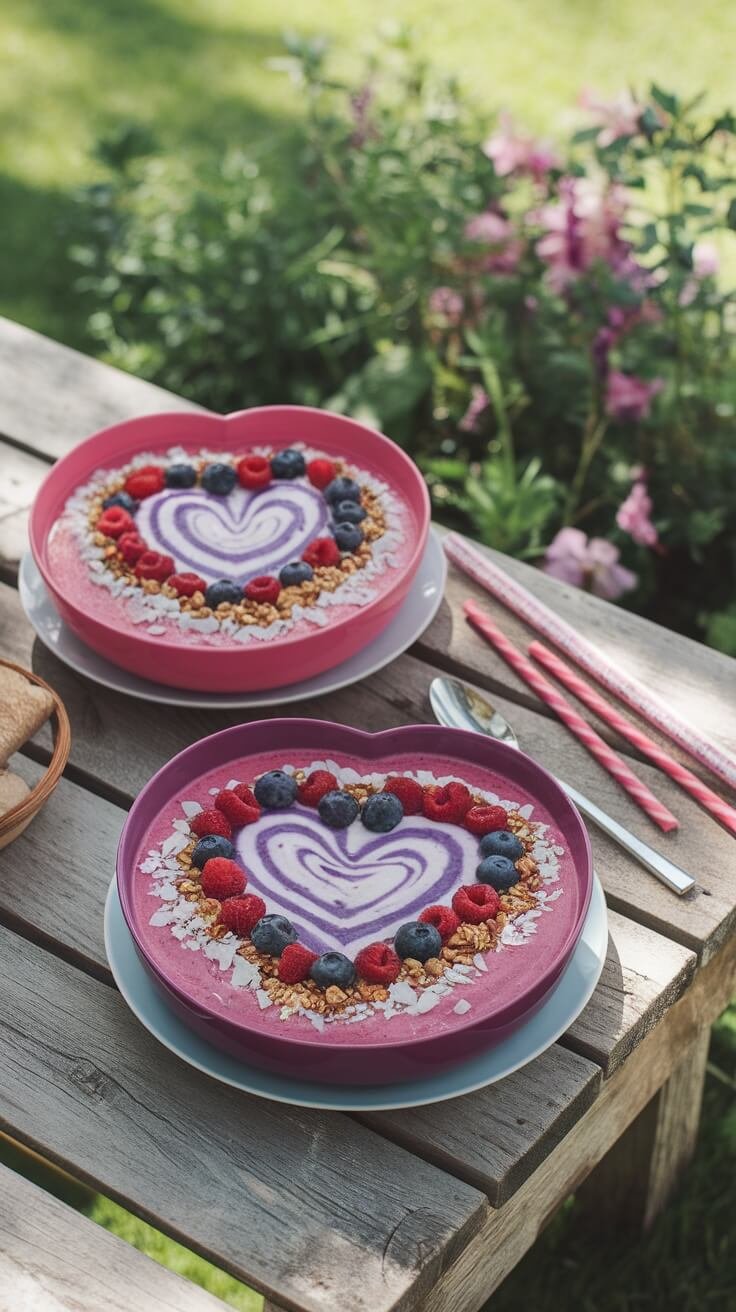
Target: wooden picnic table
[[428, 1209]]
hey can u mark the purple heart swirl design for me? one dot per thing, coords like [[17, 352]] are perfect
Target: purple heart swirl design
[[239, 536], [348, 887]]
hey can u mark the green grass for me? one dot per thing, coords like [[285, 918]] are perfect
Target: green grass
[[196, 72], [687, 1263]]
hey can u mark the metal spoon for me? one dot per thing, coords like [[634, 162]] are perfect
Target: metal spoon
[[458, 706]]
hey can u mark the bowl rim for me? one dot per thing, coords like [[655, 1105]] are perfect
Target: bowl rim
[[38, 532], [388, 739]]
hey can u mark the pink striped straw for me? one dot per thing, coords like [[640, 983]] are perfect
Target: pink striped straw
[[603, 754], [522, 602], [593, 700]]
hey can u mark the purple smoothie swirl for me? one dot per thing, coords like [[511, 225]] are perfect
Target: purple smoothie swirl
[[239, 537], [346, 888]]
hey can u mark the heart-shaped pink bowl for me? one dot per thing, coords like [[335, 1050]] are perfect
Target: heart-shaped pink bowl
[[376, 1051], [255, 665]]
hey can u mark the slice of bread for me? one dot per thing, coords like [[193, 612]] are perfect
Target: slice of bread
[[23, 709]]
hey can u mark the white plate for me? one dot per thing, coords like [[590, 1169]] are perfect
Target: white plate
[[556, 1015], [417, 611]]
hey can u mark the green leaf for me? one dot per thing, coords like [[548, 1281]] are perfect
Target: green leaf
[[731, 215], [665, 99], [583, 135]]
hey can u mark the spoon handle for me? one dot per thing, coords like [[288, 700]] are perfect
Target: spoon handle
[[659, 865]]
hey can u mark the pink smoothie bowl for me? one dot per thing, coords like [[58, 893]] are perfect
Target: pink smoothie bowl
[[254, 666], [377, 1051]]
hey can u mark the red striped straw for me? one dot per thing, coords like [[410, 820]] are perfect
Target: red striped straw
[[603, 754], [593, 700], [539, 617]]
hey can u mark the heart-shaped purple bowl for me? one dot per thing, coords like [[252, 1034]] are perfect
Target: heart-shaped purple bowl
[[516, 981], [185, 659]]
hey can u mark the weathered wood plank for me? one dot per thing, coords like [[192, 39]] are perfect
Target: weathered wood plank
[[21, 474], [509, 1232], [52, 1259], [496, 1137], [695, 680], [638, 1176], [309, 1207], [644, 974], [118, 743], [51, 397]]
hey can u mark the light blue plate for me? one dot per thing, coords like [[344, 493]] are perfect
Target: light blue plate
[[557, 1015], [416, 612]]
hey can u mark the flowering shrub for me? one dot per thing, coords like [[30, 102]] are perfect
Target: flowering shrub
[[541, 325]]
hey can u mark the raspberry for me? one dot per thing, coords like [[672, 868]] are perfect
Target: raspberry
[[185, 585], [408, 791], [131, 547], [295, 963], [475, 903], [115, 521], [264, 588], [485, 819], [320, 473], [444, 920], [240, 914], [378, 964], [211, 822], [254, 471], [449, 803], [238, 811], [323, 551], [314, 788], [145, 482], [222, 878], [152, 565], [245, 794]]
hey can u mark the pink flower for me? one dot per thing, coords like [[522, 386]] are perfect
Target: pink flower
[[706, 261], [582, 227], [617, 118], [479, 401], [447, 304], [491, 229], [629, 398], [590, 563], [634, 516], [516, 152]]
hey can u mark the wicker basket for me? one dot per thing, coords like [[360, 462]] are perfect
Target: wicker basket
[[15, 820]]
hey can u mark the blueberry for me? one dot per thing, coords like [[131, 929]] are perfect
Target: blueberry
[[297, 571], [222, 590], [342, 489], [275, 790], [418, 940], [288, 464], [348, 512], [382, 812], [272, 934], [499, 871], [219, 479], [337, 810], [502, 843], [182, 475], [348, 536], [123, 499], [211, 845], [333, 968]]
